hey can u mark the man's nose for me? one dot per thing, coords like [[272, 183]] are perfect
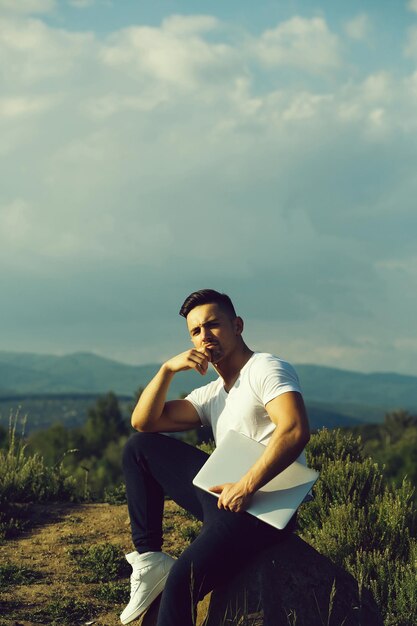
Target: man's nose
[[206, 334]]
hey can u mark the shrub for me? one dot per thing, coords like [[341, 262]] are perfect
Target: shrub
[[25, 479], [115, 495], [363, 524]]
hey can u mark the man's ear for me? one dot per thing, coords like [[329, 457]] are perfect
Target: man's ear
[[238, 324]]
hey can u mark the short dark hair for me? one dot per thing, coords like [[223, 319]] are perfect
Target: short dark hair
[[208, 296]]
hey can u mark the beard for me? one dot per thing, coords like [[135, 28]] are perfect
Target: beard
[[216, 353]]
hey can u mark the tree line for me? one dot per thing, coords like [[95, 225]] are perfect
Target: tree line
[[91, 453]]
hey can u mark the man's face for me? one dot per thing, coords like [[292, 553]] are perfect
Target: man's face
[[211, 330]]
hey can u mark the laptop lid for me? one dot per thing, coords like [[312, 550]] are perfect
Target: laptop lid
[[276, 502]]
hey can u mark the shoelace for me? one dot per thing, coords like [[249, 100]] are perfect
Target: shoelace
[[136, 578]]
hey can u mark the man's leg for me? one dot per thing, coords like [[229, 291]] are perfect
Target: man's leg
[[227, 542], [155, 465]]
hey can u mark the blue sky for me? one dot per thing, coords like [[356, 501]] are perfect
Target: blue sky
[[268, 150]]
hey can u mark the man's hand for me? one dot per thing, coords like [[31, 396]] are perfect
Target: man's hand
[[233, 497], [188, 360]]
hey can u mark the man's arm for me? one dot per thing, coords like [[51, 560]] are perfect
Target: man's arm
[[153, 413], [289, 438]]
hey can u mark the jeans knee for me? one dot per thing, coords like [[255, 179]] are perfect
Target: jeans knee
[[135, 445], [179, 579]]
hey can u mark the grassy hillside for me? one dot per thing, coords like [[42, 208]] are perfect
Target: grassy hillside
[[68, 567]]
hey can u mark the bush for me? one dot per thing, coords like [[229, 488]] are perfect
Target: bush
[[363, 524], [115, 495], [25, 479]]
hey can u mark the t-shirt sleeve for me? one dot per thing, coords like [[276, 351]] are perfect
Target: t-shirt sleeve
[[274, 377], [198, 399]]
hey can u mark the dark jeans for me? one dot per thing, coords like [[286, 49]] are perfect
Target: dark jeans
[[156, 465]]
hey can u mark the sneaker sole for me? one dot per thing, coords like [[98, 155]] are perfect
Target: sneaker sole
[[159, 587]]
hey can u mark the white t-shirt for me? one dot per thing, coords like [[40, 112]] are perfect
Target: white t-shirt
[[262, 378]]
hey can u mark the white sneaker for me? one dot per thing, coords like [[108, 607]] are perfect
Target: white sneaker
[[147, 581]]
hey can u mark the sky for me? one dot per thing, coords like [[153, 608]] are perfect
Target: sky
[[267, 150]]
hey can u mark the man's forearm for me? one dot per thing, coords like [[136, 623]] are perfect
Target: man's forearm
[[152, 403], [282, 449], [152, 400]]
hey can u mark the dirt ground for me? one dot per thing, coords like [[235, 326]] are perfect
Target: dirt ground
[[46, 548]]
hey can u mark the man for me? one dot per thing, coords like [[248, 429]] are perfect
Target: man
[[256, 394]]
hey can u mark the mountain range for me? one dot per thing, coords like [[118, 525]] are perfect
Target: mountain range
[[333, 396]]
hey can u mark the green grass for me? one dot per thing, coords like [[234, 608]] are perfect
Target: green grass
[[11, 574], [74, 540], [112, 593], [66, 610], [102, 562], [190, 532]]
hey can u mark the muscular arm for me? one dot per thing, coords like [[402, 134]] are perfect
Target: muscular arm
[[288, 440], [153, 413]]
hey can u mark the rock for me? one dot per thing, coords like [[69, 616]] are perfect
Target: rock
[[290, 583], [293, 584]]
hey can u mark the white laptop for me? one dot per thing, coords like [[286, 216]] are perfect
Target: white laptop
[[277, 501]]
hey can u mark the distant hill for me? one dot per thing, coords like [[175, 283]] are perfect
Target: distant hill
[[379, 389], [52, 388], [82, 372]]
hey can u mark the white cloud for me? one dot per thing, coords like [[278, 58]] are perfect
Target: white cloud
[[373, 103], [27, 6], [81, 4], [409, 344], [30, 51], [163, 149], [412, 5], [190, 24], [306, 105], [174, 54], [410, 49], [322, 352], [359, 27], [378, 87], [404, 265], [14, 222], [306, 44], [18, 106]]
